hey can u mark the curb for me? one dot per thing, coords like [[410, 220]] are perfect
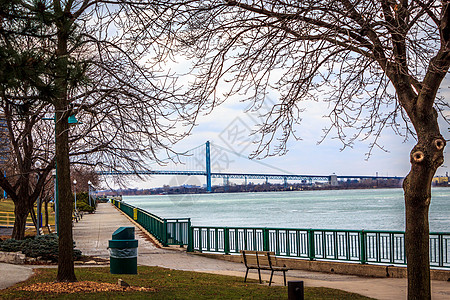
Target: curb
[[148, 234]]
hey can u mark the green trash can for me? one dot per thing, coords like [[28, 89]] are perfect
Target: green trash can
[[123, 251]]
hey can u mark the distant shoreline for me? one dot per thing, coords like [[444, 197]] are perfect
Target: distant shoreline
[[252, 188], [181, 191]]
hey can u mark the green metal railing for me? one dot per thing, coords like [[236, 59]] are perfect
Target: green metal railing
[[166, 231], [379, 247], [383, 247]]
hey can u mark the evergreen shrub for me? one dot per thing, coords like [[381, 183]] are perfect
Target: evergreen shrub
[[44, 246], [83, 202]]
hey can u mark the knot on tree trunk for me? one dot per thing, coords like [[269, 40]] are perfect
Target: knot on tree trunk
[[439, 144], [428, 152], [417, 156]]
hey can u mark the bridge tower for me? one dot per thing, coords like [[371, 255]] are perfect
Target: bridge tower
[[333, 180], [208, 167]]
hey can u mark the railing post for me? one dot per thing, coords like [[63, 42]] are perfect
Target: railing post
[[363, 246], [311, 245], [200, 244], [164, 234], [392, 247], [441, 250], [135, 213], [190, 247], [180, 235], [208, 240], [226, 240], [266, 244]]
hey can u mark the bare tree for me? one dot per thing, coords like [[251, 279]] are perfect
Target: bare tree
[[377, 63], [25, 178], [95, 67], [84, 175], [24, 93]]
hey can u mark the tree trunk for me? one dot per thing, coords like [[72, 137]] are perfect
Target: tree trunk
[[426, 157], [66, 270], [33, 218], [20, 221], [417, 241], [65, 256]]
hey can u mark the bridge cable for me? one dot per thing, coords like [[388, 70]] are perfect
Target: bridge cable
[[256, 161]]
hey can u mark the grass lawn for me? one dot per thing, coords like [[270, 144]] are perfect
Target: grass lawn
[[166, 284], [6, 205]]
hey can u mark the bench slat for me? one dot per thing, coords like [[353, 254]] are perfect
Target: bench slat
[[263, 259]]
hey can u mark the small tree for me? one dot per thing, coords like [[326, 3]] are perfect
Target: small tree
[[25, 89], [377, 63], [84, 175], [29, 163], [92, 58]]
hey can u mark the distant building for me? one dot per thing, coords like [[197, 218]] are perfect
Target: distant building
[[440, 180]]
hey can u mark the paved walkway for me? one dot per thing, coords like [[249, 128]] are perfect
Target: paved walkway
[[12, 274], [6, 230]]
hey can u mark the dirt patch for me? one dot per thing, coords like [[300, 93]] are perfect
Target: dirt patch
[[85, 259], [80, 287], [82, 260]]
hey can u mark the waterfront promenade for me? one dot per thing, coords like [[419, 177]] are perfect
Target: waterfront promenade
[[92, 233]]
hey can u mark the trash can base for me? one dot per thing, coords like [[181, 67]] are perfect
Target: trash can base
[[123, 265]]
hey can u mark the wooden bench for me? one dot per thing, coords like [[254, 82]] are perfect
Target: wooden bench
[[262, 260]]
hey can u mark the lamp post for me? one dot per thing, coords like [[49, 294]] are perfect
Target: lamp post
[[89, 192], [71, 121], [75, 192], [4, 192], [37, 164], [55, 196]]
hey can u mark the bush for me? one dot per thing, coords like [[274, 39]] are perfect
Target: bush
[[10, 245], [45, 246], [83, 202], [84, 207]]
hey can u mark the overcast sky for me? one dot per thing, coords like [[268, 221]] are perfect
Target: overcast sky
[[229, 126]]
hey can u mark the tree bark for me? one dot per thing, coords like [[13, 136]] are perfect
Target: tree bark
[[20, 221], [425, 158], [65, 252], [66, 271], [33, 218]]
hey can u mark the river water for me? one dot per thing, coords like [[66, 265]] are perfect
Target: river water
[[378, 209]]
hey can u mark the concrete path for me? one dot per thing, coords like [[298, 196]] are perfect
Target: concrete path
[[12, 274], [6, 230]]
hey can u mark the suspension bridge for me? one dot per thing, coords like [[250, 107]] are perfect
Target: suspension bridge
[[201, 165]]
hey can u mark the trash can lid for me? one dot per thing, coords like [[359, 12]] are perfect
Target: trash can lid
[[123, 233]]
